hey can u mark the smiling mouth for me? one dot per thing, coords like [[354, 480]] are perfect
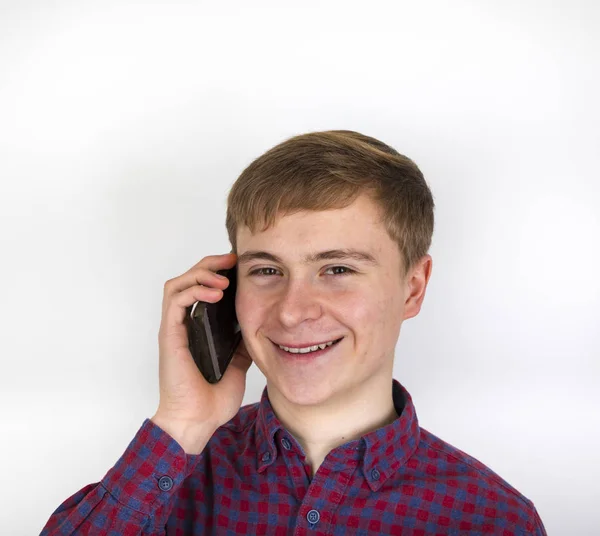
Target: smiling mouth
[[310, 350]]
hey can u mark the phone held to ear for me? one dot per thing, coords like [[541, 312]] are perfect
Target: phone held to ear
[[214, 332]]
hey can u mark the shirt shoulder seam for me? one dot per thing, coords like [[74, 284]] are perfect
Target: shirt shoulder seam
[[494, 477]]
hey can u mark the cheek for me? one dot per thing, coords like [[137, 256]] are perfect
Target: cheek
[[368, 306], [359, 311], [377, 321], [254, 311], [247, 308], [251, 318]]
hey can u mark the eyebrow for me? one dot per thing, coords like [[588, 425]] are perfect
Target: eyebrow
[[332, 254]]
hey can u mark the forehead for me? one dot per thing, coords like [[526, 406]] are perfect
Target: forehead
[[357, 225]]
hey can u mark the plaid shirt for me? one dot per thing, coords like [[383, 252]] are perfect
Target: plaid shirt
[[252, 478]]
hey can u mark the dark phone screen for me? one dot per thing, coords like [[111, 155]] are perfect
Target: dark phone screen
[[214, 332]]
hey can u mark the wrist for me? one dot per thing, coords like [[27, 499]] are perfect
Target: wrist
[[192, 437]]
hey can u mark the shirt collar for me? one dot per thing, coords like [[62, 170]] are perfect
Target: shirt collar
[[378, 453]]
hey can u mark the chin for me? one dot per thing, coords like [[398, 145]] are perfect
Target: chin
[[303, 393]]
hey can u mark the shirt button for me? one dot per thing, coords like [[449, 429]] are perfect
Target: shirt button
[[286, 444], [266, 456], [165, 483], [375, 474], [313, 516]]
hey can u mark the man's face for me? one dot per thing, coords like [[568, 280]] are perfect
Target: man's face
[[291, 302]]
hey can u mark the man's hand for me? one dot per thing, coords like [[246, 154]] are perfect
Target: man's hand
[[190, 408]]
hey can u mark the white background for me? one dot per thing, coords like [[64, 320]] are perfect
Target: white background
[[123, 126]]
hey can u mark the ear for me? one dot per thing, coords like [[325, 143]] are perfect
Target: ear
[[416, 285]]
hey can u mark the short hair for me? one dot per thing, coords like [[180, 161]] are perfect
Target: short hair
[[331, 169]]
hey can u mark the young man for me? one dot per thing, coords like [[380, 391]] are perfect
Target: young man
[[330, 232]]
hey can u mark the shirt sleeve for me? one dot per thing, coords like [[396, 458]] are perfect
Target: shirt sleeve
[[538, 526], [135, 497]]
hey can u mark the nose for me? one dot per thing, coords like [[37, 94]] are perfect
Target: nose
[[299, 301]]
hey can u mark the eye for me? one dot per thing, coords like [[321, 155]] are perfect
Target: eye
[[348, 271], [260, 271]]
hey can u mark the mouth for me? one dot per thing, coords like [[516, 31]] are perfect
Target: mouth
[[306, 354]]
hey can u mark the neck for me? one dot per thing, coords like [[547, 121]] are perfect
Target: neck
[[350, 415]]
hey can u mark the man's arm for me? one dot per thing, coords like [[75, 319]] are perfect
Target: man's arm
[[538, 526], [136, 496], [139, 492]]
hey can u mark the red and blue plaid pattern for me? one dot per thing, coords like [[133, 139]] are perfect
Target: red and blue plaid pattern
[[252, 478]]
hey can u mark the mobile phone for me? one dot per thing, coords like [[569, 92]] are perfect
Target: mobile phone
[[214, 332]]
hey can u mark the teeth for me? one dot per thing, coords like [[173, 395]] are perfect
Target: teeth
[[307, 349]]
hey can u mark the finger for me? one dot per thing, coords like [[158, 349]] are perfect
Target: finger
[[214, 262], [175, 307], [202, 273]]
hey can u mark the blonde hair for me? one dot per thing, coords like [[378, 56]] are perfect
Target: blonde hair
[[328, 170]]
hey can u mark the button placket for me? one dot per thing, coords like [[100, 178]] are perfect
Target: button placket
[[333, 488]]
